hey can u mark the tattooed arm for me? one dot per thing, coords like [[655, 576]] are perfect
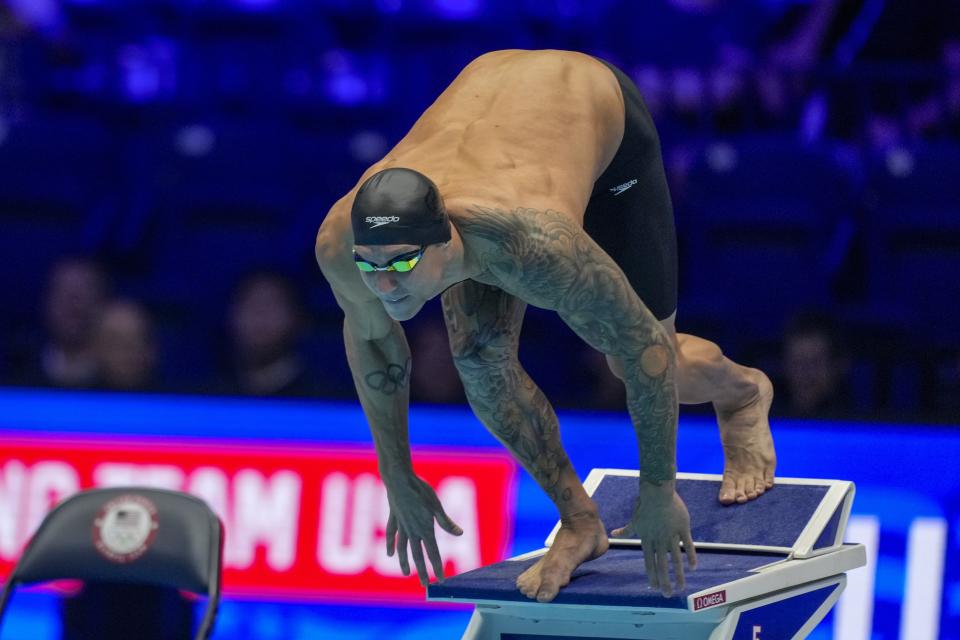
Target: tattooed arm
[[376, 348], [379, 359], [546, 259]]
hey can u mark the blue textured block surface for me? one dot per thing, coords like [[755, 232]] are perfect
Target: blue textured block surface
[[774, 520], [618, 578]]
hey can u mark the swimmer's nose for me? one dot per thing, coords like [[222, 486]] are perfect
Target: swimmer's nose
[[384, 283]]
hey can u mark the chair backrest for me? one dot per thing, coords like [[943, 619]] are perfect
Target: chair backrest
[[127, 535]]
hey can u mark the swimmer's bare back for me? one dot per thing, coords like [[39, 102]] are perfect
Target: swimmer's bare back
[[515, 128]]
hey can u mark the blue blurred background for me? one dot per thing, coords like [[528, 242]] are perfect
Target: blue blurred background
[[164, 166], [191, 148]]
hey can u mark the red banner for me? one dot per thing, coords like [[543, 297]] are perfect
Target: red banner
[[301, 521]]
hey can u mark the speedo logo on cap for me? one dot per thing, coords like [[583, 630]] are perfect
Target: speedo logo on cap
[[379, 221]]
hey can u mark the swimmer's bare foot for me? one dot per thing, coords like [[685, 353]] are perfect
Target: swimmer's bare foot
[[748, 452], [581, 537]]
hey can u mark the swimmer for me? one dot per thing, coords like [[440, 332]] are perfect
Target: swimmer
[[535, 178]]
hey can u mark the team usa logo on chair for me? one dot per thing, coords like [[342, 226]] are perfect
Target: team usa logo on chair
[[125, 527]]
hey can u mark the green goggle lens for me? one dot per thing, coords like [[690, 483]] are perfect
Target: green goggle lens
[[404, 265], [400, 264]]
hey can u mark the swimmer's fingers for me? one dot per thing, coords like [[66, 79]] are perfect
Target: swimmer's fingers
[[416, 550], [677, 557], [391, 534], [663, 571], [433, 554], [446, 523], [650, 564], [402, 552], [690, 550]]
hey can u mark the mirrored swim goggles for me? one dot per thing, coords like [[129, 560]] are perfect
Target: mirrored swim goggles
[[401, 263]]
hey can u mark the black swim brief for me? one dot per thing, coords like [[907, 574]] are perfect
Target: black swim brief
[[630, 214]]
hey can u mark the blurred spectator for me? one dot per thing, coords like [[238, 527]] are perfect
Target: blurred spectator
[[76, 290], [648, 31], [815, 370], [267, 321], [891, 44], [795, 45], [939, 114], [125, 348], [433, 377], [728, 90]]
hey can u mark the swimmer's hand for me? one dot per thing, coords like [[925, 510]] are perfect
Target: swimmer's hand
[[413, 508], [661, 522]]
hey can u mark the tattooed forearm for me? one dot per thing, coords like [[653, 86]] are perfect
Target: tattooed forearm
[[394, 378], [545, 258], [484, 326], [652, 402], [381, 374], [515, 410]]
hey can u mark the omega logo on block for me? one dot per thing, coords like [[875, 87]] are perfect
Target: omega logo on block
[[710, 600]]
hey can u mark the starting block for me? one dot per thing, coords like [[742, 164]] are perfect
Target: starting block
[[768, 569]]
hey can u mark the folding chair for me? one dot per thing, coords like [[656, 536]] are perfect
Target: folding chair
[[127, 535]]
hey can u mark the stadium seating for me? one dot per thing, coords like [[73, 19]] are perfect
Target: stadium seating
[[760, 229]]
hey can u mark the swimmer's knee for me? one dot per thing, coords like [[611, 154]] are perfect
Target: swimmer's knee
[[616, 366], [655, 359]]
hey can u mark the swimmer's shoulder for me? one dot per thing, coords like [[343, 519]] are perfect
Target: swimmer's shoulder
[[482, 224], [493, 236], [334, 250], [334, 234], [490, 222], [334, 242]]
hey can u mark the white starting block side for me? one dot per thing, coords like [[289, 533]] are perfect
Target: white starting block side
[[765, 590], [779, 576], [530, 621], [789, 615]]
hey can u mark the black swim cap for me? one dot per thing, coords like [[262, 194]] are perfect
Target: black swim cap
[[399, 206]]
